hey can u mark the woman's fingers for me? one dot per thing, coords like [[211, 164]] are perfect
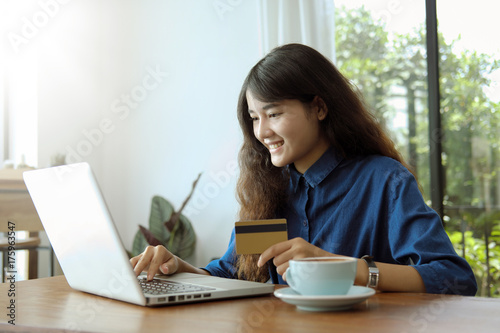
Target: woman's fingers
[[154, 260], [283, 252]]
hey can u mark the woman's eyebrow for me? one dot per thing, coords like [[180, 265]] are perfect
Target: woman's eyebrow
[[265, 107]]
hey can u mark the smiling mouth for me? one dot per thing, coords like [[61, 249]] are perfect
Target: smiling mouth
[[276, 145]]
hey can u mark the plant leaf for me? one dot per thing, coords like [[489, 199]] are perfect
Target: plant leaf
[[151, 239]]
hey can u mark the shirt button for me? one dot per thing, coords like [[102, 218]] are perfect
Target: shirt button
[[304, 223]]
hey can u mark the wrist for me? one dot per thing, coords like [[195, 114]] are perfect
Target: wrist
[[186, 267], [361, 273], [373, 272]]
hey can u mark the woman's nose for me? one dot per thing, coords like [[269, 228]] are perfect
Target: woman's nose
[[263, 130]]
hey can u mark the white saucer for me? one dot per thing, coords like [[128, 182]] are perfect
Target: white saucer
[[355, 295]]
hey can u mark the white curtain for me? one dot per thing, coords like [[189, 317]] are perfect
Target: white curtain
[[309, 22]]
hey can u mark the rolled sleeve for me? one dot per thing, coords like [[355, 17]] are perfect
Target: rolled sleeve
[[417, 233]]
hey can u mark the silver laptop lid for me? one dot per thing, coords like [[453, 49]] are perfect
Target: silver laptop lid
[[81, 231]]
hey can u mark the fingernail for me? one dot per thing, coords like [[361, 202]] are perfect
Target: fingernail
[[259, 262]]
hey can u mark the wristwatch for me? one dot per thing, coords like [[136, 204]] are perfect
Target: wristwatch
[[373, 272]]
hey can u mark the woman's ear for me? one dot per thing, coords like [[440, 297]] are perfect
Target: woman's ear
[[320, 107]]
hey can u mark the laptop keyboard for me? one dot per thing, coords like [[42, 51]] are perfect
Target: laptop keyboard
[[161, 287]]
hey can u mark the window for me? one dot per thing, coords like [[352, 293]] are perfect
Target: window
[[470, 113], [381, 46]]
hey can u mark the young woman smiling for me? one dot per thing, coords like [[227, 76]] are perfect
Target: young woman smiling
[[312, 153]]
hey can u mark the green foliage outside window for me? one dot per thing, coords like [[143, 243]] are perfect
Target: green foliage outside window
[[482, 253], [389, 67]]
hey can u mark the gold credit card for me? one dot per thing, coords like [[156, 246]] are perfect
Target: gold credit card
[[254, 237]]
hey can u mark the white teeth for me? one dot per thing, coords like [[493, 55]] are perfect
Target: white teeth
[[276, 145]]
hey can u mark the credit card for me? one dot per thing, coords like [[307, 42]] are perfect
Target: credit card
[[254, 237]]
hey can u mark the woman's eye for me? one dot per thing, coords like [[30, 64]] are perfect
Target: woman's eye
[[273, 115], [254, 118]]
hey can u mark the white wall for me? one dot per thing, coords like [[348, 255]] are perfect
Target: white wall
[[94, 53]]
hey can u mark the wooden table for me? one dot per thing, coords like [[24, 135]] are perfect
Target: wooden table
[[50, 305]]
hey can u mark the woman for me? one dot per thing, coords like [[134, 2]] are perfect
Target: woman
[[314, 155]]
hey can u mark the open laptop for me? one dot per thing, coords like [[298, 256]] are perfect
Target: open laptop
[[91, 254]]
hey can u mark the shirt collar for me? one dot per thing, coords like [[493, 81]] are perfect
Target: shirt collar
[[318, 171]]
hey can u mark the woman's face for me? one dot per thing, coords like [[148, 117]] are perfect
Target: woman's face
[[290, 130]]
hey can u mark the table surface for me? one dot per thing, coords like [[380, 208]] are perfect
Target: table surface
[[50, 305]]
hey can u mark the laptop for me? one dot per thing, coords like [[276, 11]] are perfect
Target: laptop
[[93, 259]]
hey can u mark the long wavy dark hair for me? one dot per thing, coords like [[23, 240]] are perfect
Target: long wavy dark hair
[[299, 72]]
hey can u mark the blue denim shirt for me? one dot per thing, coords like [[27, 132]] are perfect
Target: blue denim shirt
[[368, 205]]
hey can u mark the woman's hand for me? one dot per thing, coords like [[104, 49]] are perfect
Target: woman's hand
[[155, 260], [296, 248], [395, 277]]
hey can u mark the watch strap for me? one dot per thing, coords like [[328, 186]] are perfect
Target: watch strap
[[373, 272]]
